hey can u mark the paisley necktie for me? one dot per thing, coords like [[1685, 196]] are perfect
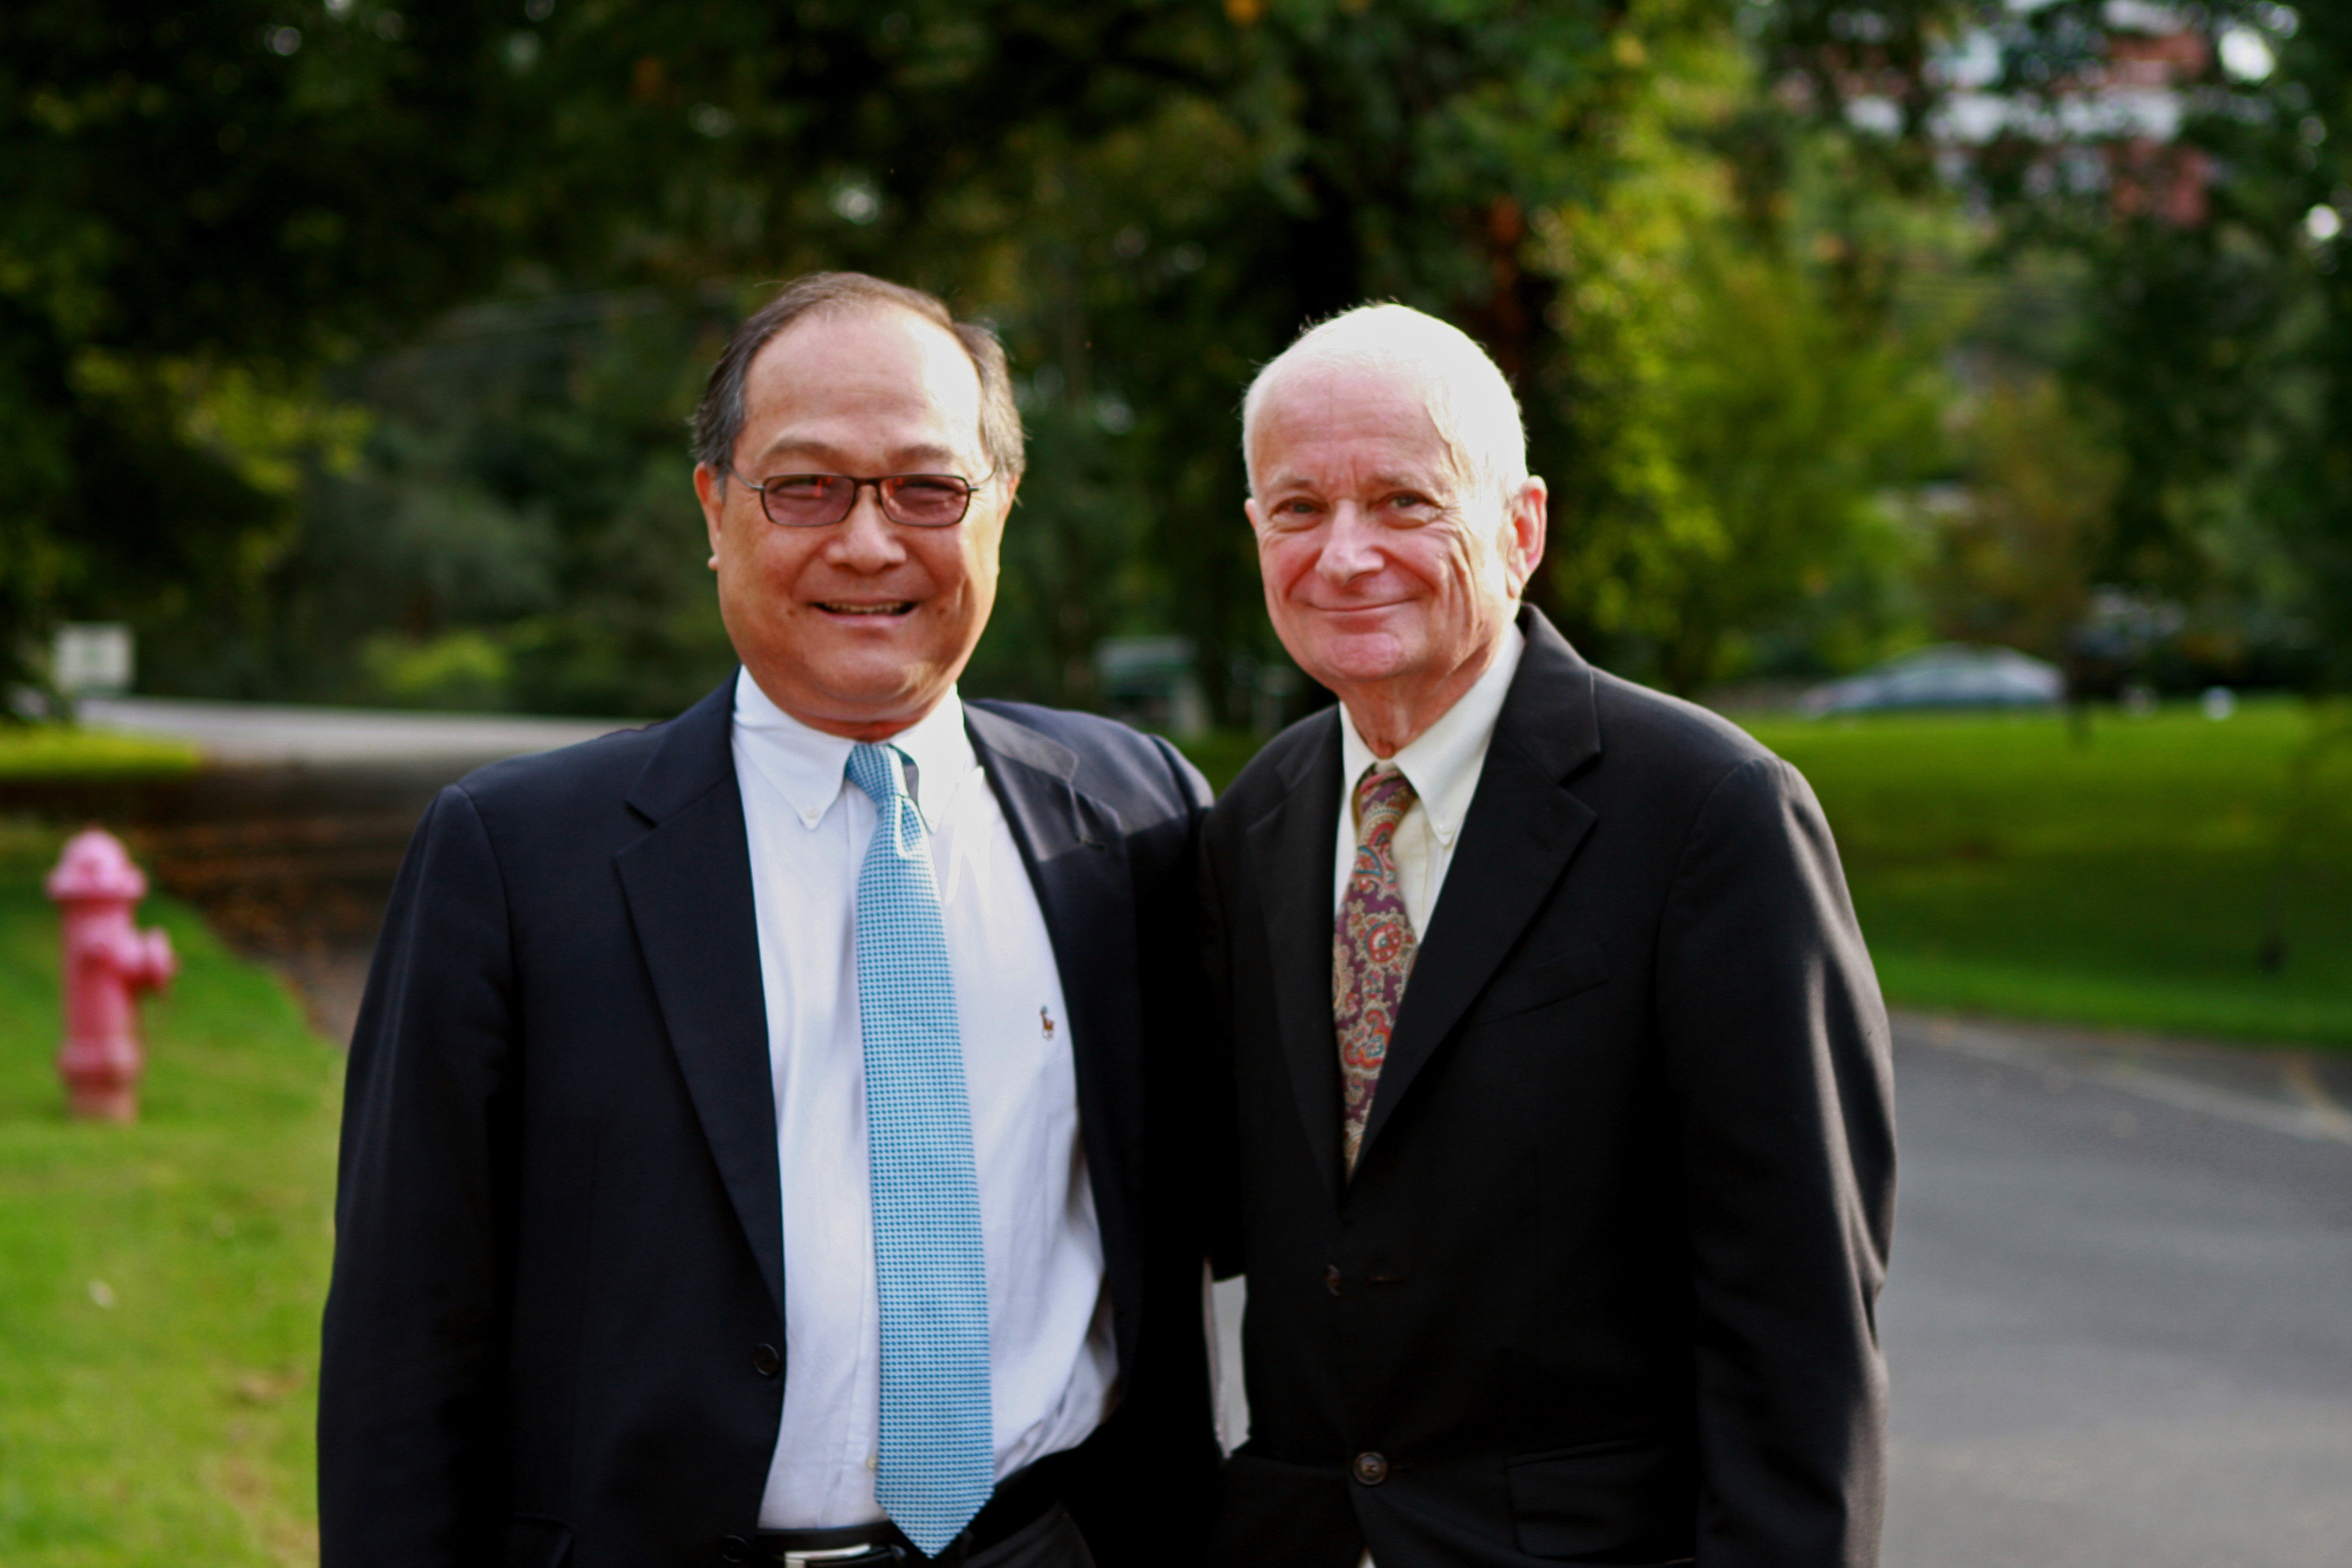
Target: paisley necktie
[[1372, 946]]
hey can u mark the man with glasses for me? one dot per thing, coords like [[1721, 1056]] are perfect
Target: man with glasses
[[752, 1128]]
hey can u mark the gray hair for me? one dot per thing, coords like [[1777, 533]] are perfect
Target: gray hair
[[718, 418], [1467, 395]]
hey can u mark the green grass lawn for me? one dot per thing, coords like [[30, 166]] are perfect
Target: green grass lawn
[[2000, 866], [59, 751], [160, 1284]]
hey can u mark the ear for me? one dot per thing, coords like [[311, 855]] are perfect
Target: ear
[[1249, 510], [1524, 527], [711, 489]]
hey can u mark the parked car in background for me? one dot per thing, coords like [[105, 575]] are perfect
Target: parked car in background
[[1945, 675]]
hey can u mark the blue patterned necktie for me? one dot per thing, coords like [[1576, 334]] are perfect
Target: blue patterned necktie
[[936, 1465]]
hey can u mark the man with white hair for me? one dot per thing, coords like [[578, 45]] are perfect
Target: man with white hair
[[1560, 1157]]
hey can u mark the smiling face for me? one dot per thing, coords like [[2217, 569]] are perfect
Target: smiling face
[[858, 629], [1389, 576]]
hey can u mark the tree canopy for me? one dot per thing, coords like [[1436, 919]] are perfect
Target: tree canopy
[[344, 346]]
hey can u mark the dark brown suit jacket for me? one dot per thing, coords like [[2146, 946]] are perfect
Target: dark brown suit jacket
[[1603, 1288]]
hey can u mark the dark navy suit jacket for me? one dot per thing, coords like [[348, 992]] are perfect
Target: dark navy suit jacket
[[554, 1333]]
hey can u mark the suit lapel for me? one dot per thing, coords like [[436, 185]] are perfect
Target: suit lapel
[[1075, 849], [689, 885], [1522, 830], [1294, 843]]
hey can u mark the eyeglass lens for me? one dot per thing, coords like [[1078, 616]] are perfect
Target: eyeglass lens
[[817, 501]]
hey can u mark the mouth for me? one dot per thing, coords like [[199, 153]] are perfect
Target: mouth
[[1364, 609], [884, 610]]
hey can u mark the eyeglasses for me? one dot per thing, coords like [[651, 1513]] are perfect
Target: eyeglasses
[[820, 500]]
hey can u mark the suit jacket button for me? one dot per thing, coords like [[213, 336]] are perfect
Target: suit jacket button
[[765, 1361], [1371, 1469], [734, 1549], [1331, 1277]]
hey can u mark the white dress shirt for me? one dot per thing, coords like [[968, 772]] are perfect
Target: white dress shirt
[[1052, 1363], [1443, 764]]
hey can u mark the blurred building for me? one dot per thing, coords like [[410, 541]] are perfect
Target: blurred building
[[2101, 116]]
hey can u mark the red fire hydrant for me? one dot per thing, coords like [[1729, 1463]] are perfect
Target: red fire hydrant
[[106, 964]]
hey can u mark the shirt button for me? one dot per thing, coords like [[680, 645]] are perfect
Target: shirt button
[[765, 1361], [1371, 1469], [734, 1549], [874, 1462]]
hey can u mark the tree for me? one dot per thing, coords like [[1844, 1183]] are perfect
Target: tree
[[2211, 321], [2016, 550], [1150, 199], [1737, 410], [199, 205]]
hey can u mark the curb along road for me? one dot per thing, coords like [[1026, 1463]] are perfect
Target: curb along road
[[2302, 1094]]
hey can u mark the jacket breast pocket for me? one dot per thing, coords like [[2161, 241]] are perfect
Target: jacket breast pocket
[[1621, 1500], [537, 1543], [1531, 981]]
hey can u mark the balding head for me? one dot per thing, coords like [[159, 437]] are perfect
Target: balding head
[[1465, 395]]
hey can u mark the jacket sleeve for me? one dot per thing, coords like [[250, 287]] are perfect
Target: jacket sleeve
[[1216, 1175], [1779, 1051], [1146, 1481], [412, 1451]]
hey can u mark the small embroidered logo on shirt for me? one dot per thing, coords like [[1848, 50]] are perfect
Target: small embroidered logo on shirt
[[1045, 1017]]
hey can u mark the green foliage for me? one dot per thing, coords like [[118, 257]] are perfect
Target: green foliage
[[2015, 550], [1221, 754], [1075, 568], [1150, 198], [1296, 159], [515, 528], [2212, 343], [1737, 414], [197, 203], [158, 1336], [2133, 882], [62, 752], [1658, 217]]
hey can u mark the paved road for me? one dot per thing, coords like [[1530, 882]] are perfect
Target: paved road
[[252, 733], [2119, 1323]]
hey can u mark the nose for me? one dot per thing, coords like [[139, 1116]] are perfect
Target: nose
[[865, 540], [1350, 546]]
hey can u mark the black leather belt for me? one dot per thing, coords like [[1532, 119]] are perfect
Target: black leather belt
[[1020, 1500]]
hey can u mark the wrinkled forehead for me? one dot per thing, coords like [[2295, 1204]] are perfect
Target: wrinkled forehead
[[1395, 403]]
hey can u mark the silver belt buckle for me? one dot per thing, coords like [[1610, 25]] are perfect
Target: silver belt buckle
[[833, 1555]]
